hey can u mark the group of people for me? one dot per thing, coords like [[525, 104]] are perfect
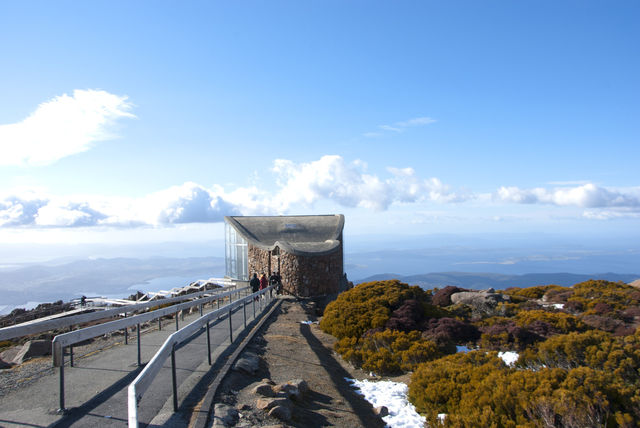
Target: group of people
[[262, 283]]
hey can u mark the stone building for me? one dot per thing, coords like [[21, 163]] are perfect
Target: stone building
[[306, 250]]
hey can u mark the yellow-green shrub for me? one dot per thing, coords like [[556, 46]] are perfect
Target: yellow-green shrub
[[560, 321], [477, 389], [367, 306], [388, 351], [618, 295], [536, 292]]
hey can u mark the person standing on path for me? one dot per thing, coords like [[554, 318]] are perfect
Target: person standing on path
[[264, 283], [255, 284]]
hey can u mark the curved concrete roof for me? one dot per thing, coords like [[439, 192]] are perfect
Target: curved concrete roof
[[310, 235]]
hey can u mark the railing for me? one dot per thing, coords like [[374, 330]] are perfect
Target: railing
[[68, 339], [51, 324], [141, 383]]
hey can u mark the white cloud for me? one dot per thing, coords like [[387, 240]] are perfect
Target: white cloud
[[399, 127], [585, 196], [68, 215], [330, 178], [189, 203], [349, 185], [417, 121], [18, 211], [62, 126]]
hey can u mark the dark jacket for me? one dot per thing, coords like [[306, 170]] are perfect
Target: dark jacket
[[255, 284]]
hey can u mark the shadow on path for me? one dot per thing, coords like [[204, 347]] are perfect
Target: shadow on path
[[74, 414], [361, 407]]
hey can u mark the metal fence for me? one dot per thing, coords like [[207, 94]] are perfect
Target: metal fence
[[64, 340], [58, 323], [141, 383]]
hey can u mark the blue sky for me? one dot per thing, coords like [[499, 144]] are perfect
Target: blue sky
[[149, 121]]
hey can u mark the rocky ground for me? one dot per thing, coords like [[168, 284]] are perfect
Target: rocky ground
[[298, 380]]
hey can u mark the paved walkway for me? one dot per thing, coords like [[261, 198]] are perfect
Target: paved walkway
[[96, 387]]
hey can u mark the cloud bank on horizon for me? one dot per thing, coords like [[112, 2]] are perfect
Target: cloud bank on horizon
[[62, 126]]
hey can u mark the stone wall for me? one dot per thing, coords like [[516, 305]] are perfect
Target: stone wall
[[303, 276]]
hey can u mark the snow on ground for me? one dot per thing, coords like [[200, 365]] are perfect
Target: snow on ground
[[509, 357], [393, 395]]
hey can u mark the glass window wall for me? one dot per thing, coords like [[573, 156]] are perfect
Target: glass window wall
[[236, 255]]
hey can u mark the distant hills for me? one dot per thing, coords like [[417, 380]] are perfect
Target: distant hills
[[498, 281]]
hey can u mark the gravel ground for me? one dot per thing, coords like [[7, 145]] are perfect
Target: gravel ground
[[289, 350]]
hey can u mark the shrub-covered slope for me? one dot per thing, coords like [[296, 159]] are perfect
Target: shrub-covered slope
[[579, 350]]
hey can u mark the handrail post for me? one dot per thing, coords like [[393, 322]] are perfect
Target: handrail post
[[61, 409], [208, 344], [139, 359], [126, 333], [200, 309], [244, 312], [230, 327], [132, 406], [70, 351], [173, 378], [253, 303], [177, 328], [159, 323]]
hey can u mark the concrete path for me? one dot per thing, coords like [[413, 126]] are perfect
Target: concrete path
[[96, 387]]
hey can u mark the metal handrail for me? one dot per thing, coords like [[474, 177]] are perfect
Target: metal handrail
[[141, 383], [38, 327], [68, 339]]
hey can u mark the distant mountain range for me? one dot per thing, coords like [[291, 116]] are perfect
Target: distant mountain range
[[498, 281]]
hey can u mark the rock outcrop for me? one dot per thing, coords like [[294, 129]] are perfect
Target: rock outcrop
[[482, 301]]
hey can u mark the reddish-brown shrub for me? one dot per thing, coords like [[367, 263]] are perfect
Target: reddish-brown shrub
[[602, 308], [607, 324], [443, 297], [450, 330], [407, 317]]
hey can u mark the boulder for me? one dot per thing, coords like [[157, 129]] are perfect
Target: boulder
[[249, 363], [31, 349], [381, 411], [479, 300], [301, 384], [264, 389], [292, 389], [9, 355], [281, 412], [287, 390], [269, 403], [224, 415]]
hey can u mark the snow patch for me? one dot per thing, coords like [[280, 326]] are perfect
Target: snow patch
[[509, 357], [393, 395]]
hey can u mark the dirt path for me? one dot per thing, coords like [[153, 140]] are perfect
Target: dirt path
[[289, 350]]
